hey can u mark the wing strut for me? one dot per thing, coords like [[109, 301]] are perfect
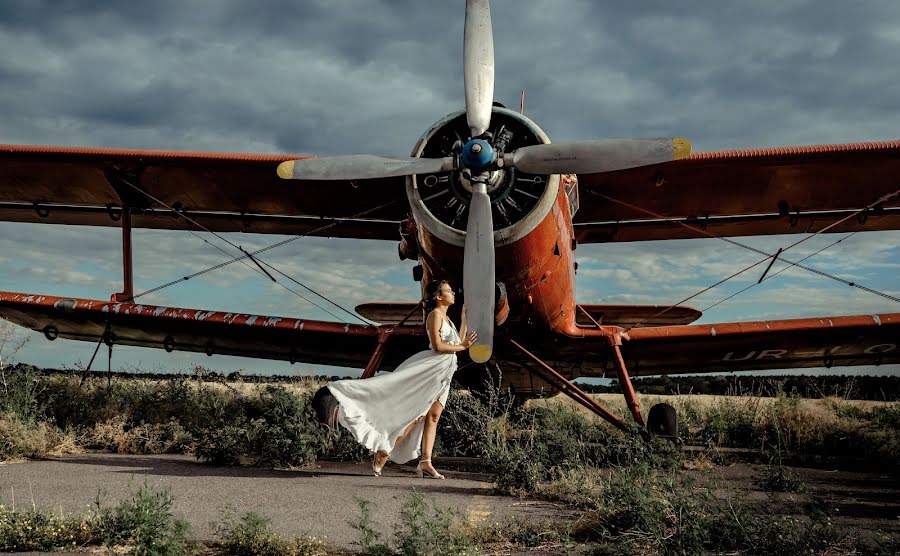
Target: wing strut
[[564, 385], [384, 335], [631, 399]]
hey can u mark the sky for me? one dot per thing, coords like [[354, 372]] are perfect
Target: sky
[[368, 77]]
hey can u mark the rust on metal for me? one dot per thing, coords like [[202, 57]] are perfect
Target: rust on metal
[[744, 193], [568, 387], [127, 265], [631, 399]]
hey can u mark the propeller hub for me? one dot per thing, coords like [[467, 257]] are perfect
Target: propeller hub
[[477, 155]]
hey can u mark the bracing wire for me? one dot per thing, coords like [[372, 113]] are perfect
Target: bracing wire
[[754, 249], [252, 256]]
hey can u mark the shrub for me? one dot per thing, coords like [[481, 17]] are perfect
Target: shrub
[[36, 530], [28, 439], [423, 530], [284, 429], [250, 536], [145, 522]]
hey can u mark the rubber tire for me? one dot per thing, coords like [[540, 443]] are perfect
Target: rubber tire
[[662, 420]]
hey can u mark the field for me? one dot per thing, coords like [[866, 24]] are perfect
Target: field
[[756, 475]]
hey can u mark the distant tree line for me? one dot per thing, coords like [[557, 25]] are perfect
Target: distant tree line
[[876, 388], [881, 388]]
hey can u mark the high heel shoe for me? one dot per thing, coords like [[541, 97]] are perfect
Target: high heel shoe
[[376, 469], [421, 473]]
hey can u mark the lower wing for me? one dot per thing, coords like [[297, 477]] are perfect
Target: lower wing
[[212, 332]]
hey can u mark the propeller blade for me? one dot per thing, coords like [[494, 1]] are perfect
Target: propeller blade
[[478, 274], [360, 167], [478, 65], [601, 155]]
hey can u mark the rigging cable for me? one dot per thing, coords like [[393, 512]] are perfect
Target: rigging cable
[[779, 272], [226, 253], [252, 254], [754, 249]]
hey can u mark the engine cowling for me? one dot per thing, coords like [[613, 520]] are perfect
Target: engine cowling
[[519, 201]]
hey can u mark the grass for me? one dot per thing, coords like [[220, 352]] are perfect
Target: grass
[[249, 535], [625, 485]]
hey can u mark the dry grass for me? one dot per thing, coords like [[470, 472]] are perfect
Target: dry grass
[[23, 440]]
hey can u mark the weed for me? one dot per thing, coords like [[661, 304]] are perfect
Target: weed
[[369, 536], [250, 536], [423, 530], [777, 478], [33, 440], [284, 429], [145, 522], [36, 530]]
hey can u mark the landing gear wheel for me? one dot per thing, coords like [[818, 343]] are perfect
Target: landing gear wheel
[[663, 421], [326, 407]]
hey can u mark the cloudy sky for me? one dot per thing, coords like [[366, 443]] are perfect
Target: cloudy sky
[[361, 76]]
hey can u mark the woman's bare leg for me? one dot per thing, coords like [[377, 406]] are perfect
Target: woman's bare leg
[[428, 435], [382, 457]]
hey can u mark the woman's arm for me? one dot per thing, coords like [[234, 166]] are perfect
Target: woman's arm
[[462, 323], [433, 325]]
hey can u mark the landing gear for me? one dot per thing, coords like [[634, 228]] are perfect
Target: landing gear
[[663, 421]]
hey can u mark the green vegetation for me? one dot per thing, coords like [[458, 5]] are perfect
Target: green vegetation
[[877, 388], [143, 523], [249, 535], [627, 488]]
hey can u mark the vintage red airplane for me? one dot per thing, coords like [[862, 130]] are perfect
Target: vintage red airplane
[[485, 201]]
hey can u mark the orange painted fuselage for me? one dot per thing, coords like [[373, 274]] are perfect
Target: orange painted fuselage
[[538, 271]]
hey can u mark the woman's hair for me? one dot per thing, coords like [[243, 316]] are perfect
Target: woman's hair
[[432, 291]]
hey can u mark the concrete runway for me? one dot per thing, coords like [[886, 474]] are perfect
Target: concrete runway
[[318, 501]]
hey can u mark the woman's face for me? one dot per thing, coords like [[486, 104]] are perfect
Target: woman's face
[[445, 295]]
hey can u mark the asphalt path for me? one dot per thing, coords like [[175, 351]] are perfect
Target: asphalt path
[[317, 501]]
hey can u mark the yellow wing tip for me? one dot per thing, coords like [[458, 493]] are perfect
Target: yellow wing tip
[[286, 170], [481, 353], [681, 148]]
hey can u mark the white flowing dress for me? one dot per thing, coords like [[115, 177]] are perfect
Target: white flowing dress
[[379, 409]]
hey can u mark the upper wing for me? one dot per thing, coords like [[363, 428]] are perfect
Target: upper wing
[[213, 332], [222, 192], [739, 193]]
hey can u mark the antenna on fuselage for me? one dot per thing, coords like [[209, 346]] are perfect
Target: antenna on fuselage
[[522, 102]]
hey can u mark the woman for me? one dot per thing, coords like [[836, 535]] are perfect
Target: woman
[[396, 414]]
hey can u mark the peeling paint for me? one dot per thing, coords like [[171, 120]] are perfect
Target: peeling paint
[[712, 330], [272, 321], [830, 323], [201, 316], [251, 320], [158, 311], [877, 319]]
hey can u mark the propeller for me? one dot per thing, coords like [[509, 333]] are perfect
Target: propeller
[[600, 155], [478, 65], [478, 163], [361, 167]]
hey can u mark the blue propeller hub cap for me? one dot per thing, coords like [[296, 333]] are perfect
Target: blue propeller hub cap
[[477, 155]]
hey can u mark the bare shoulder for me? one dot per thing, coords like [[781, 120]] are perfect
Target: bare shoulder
[[432, 317]]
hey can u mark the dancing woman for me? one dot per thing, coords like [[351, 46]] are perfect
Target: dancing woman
[[395, 414]]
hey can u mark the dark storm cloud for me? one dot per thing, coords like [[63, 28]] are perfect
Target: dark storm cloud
[[363, 76]]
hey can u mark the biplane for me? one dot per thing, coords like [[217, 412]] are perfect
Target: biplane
[[487, 201]]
